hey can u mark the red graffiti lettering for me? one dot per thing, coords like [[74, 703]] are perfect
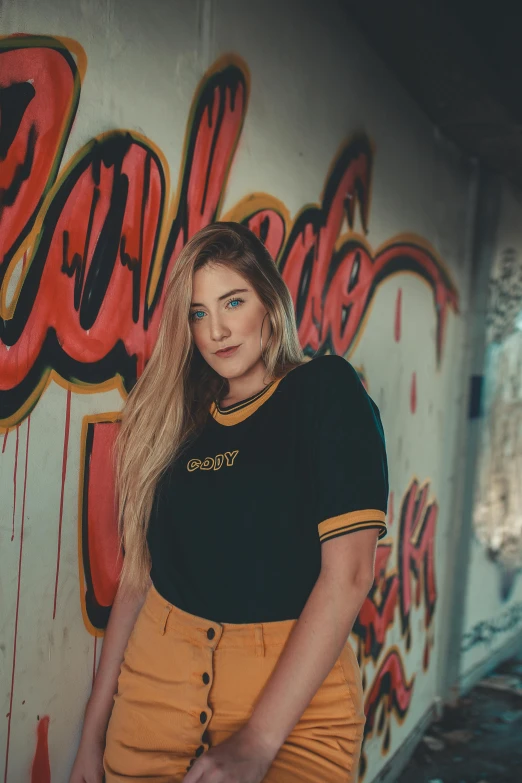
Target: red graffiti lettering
[[418, 522], [39, 94], [378, 610], [391, 691], [100, 546], [393, 587], [90, 295], [97, 250]]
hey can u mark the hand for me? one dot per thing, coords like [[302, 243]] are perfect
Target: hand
[[88, 764], [242, 758]]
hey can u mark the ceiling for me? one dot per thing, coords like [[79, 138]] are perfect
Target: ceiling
[[461, 61]]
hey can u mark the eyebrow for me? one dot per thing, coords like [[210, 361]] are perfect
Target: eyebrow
[[224, 296]]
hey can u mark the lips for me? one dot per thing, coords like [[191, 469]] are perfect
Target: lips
[[225, 352]]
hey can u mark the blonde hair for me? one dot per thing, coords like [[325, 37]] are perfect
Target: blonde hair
[[171, 400]]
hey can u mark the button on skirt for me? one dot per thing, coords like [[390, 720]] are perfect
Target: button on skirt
[[187, 684]]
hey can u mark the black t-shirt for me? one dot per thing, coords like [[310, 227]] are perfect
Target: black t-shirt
[[239, 518]]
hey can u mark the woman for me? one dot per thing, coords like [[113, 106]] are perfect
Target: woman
[[240, 470]]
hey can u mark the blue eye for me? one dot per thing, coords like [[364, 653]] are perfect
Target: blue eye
[[235, 303]]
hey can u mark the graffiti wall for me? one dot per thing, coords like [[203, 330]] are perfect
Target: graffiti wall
[[111, 157], [494, 600]]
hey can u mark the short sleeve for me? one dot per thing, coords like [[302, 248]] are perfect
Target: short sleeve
[[348, 453]]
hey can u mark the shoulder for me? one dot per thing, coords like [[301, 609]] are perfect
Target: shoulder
[[326, 369], [325, 378]]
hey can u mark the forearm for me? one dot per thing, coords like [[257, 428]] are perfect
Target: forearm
[[99, 707], [309, 655]]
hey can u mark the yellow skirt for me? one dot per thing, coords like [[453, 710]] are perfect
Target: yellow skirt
[[187, 684]]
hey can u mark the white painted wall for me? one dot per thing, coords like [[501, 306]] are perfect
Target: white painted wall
[[314, 82]]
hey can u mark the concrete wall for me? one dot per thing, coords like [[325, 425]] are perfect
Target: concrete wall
[[493, 609], [316, 146]]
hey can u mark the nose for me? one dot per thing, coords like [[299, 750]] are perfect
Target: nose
[[218, 329]]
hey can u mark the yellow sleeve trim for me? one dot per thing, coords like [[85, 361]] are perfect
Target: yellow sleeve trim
[[352, 521]]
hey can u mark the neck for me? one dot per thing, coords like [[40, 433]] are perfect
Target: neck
[[247, 385]]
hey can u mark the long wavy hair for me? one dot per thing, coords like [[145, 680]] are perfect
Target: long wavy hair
[[170, 402]]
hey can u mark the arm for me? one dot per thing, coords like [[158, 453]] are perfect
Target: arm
[[346, 576], [99, 707]]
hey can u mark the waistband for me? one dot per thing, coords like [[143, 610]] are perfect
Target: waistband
[[209, 633]]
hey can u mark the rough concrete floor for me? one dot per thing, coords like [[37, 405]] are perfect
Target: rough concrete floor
[[479, 741]]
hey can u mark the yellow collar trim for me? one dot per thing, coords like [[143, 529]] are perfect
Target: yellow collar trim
[[243, 410]]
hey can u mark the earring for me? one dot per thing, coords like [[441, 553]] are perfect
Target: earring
[[262, 324]]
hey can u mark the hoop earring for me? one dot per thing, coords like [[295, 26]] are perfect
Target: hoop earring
[[262, 324]]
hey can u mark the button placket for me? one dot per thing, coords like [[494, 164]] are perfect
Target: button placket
[[206, 714]]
